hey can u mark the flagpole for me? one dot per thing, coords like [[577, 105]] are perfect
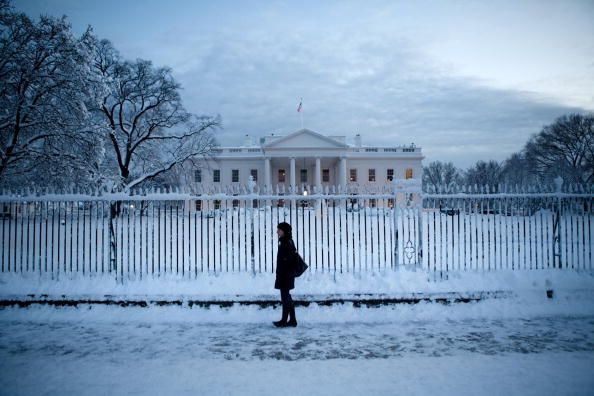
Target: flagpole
[[300, 111]]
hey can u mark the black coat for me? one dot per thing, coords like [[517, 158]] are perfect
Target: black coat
[[285, 259]]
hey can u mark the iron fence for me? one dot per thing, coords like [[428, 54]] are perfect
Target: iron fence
[[184, 235]]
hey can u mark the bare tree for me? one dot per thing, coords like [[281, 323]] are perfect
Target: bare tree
[[147, 129], [484, 174], [43, 89], [438, 175], [517, 170], [564, 148]]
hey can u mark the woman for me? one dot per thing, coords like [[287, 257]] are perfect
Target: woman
[[285, 276]]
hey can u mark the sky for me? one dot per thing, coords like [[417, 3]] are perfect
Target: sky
[[465, 80]]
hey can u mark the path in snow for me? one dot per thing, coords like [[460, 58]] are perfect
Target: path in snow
[[467, 349], [320, 341]]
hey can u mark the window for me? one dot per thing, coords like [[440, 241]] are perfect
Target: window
[[217, 204], [198, 205], [254, 174], [255, 203], [303, 175], [281, 175], [371, 175], [235, 175], [373, 203], [198, 176], [390, 174], [390, 202], [409, 173], [326, 175], [236, 203], [353, 175], [216, 176]]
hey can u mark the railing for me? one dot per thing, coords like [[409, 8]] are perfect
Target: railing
[[131, 236], [507, 231]]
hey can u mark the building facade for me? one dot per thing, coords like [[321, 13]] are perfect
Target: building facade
[[308, 161]]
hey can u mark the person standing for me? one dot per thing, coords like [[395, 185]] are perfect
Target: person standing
[[285, 274]]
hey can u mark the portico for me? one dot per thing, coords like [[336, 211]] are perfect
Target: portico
[[306, 172], [307, 160]]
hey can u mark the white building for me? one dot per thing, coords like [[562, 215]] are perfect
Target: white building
[[306, 159]]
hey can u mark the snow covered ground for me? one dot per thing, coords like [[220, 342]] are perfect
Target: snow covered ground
[[213, 286], [527, 345]]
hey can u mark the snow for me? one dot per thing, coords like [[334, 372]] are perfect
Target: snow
[[524, 346], [394, 283], [525, 375]]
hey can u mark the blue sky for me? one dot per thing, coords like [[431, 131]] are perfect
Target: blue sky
[[466, 80]]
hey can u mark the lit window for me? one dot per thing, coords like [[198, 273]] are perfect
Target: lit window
[[409, 173], [353, 175]]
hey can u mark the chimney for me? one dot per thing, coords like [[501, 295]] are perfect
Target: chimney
[[248, 141], [358, 140]]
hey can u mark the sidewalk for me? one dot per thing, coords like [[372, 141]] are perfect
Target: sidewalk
[[511, 346]]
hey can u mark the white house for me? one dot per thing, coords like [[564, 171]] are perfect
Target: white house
[[306, 159]]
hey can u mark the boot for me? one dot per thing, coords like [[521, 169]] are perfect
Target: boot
[[292, 319], [283, 321]]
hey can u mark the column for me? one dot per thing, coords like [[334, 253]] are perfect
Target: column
[[292, 174], [267, 175], [318, 176], [342, 173]]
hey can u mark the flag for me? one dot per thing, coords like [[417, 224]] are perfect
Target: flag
[[300, 105]]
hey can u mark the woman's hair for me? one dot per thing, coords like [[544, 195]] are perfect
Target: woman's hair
[[286, 228]]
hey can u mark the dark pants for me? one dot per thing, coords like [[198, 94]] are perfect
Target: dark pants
[[288, 306], [286, 299]]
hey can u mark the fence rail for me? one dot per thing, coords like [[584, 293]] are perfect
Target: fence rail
[[135, 236]]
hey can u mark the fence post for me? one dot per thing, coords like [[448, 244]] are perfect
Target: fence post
[[396, 210], [114, 209], [557, 224], [419, 210], [251, 185]]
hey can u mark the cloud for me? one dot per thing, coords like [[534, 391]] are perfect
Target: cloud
[[443, 76], [374, 85]]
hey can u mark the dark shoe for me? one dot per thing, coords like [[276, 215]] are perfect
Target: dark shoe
[[280, 323], [292, 319], [283, 321]]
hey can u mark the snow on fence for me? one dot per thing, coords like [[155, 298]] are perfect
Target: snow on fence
[[131, 236]]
